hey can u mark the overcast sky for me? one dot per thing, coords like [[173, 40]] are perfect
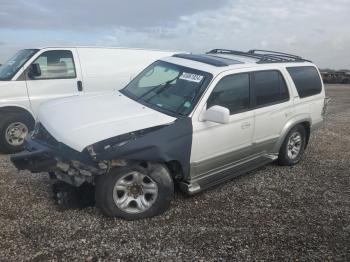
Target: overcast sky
[[315, 29]]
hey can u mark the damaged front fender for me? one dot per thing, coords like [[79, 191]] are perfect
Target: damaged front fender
[[169, 143]]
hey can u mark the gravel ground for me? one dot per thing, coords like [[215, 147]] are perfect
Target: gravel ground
[[274, 213]]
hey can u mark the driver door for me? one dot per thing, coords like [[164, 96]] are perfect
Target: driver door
[[60, 77], [215, 146]]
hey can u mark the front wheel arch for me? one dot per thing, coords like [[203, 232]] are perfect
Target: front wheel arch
[[17, 110]]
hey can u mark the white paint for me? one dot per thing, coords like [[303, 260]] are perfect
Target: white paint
[[84, 120], [99, 69]]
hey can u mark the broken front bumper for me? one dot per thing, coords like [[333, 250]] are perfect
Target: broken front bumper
[[40, 156], [70, 166], [36, 158]]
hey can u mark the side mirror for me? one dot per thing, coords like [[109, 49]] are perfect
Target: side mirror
[[34, 70], [217, 114]]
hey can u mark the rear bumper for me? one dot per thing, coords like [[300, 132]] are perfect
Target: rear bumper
[[36, 158]]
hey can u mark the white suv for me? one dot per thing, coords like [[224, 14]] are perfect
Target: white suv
[[191, 120]]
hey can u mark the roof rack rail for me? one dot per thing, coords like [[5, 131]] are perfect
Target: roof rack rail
[[263, 56]]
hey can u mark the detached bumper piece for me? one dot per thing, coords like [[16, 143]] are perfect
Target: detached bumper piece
[[36, 158]]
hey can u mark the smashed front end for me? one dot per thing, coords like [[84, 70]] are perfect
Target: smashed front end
[[44, 154], [161, 144]]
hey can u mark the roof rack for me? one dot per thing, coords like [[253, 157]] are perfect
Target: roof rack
[[263, 56]]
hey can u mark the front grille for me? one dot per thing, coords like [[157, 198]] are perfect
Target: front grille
[[40, 133]]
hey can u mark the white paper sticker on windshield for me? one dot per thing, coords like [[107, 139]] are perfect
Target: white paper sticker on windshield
[[191, 77]]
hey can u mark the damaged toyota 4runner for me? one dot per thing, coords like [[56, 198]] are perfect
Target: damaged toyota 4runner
[[191, 120]]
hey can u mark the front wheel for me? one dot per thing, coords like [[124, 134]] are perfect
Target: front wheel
[[293, 146], [134, 192], [13, 130]]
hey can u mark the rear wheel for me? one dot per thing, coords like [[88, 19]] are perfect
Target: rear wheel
[[134, 192], [293, 146], [14, 128]]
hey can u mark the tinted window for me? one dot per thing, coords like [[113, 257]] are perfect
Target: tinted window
[[270, 88], [231, 92], [57, 64], [306, 80]]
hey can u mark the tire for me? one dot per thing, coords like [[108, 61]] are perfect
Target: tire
[[286, 156], [124, 191], [14, 120], [70, 197]]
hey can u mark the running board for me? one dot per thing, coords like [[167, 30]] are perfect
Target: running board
[[199, 184]]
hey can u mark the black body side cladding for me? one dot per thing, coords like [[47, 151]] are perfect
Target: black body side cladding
[[170, 143]]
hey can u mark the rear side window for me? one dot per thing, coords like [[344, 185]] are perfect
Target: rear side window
[[231, 92], [270, 88], [306, 80]]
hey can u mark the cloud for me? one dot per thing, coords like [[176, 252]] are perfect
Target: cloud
[[94, 15], [315, 29], [318, 30]]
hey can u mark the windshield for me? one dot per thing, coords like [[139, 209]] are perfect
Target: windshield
[[11, 67], [168, 87]]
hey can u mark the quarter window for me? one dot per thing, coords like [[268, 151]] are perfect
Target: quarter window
[[270, 88], [306, 80], [57, 64], [231, 92]]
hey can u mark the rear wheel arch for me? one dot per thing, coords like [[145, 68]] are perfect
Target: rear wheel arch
[[293, 146], [305, 121], [307, 127]]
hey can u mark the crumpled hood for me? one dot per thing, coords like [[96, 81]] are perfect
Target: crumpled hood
[[81, 121]]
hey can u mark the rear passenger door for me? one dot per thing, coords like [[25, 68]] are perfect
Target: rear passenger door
[[60, 77], [273, 107]]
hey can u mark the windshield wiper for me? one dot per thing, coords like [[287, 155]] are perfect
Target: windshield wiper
[[163, 85]]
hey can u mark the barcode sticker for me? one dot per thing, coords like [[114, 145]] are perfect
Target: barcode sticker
[[191, 77]]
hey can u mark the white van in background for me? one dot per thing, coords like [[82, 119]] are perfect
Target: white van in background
[[34, 76]]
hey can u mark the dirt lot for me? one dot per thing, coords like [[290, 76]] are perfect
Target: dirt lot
[[274, 213]]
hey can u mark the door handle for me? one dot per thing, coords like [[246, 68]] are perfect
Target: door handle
[[245, 125], [80, 86]]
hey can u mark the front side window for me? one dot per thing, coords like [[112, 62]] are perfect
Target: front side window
[[232, 92], [306, 80], [11, 67], [168, 87], [269, 87], [56, 64]]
